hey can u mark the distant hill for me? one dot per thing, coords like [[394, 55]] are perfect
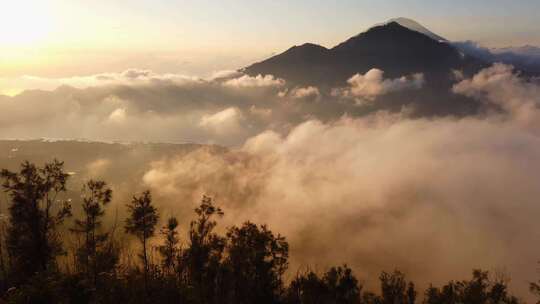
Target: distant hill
[[524, 58]]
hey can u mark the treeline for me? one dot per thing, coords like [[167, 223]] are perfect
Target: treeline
[[247, 265]]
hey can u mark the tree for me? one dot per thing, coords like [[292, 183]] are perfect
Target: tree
[[479, 290], [343, 285], [203, 256], [411, 293], [169, 249], [257, 260], [141, 223], [36, 211], [394, 288], [96, 195], [307, 288], [337, 286]]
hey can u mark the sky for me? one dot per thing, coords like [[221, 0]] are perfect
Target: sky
[[62, 38]]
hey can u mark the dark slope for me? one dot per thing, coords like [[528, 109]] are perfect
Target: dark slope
[[304, 64]]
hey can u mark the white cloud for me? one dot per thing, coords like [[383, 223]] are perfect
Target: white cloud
[[498, 85], [372, 84], [118, 115], [223, 122], [127, 77], [309, 92], [225, 74], [247, 81]]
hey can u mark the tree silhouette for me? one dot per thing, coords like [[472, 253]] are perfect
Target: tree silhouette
[[394, 288], [257, 260], [203, 256], [169, 249], [96, 195], [343, 285], [479, 290], [411, 293], [337, 286], [33, 241], [142, 220]]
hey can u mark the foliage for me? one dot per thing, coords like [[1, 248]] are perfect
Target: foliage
[[36, 210], [95, 254]]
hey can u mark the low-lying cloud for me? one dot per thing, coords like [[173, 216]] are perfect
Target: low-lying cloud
[[140, 105], [247, 81]]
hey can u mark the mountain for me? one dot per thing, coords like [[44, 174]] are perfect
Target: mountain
[[526, 50], [526, 59], [391, 47]]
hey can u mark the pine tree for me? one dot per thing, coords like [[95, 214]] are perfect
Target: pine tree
[[96, 195], [36, 211], [204, 254], [142, 223], [169, 250]]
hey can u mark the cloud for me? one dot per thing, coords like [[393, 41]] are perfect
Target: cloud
[[127, 77], [98, 167], [526, 58], [247, 81], [372, 84], [456, 193], [311, 93], [225, 74], [227, 121], [498, 85], [140, 105], [118, 115]]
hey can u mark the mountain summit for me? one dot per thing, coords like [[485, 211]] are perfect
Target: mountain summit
[[415, 26]]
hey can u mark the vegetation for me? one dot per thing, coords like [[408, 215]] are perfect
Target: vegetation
[[246, 265]]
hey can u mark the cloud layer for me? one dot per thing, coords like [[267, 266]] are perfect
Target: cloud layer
[[140, 105]]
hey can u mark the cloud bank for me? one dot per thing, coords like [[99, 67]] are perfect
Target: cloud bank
[[140, 105]]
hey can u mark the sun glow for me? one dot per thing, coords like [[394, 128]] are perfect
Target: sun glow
[[24, 23]]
